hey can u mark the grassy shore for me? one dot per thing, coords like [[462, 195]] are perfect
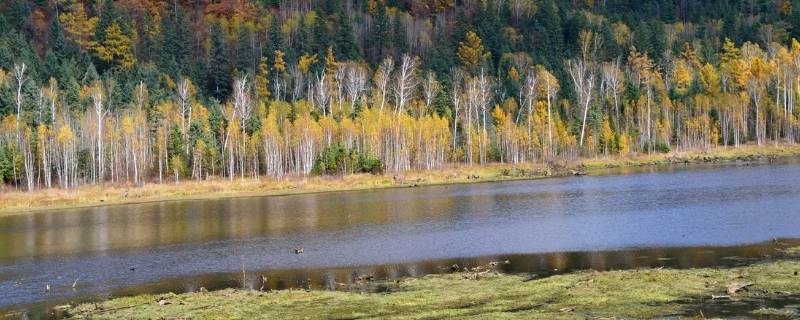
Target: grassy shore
[[18, 202], [642, 293]]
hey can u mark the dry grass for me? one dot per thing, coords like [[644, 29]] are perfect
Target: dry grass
[[718, 154]]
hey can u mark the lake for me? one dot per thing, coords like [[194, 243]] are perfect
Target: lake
[[673, 216]]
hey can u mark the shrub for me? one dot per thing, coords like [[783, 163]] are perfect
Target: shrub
[[336, 159]]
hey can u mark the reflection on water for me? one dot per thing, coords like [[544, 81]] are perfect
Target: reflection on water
[[534, 266], [704, 213]]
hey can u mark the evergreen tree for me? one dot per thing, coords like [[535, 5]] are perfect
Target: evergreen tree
[[440, 57], [218, 77], [176, 37], [243, 54], [400, 40], [275, 38], [345, 47], [547, 36], [378, 41], [321, 39], [58, 42]]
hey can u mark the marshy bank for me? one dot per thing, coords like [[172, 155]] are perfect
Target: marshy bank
[[767, 289]]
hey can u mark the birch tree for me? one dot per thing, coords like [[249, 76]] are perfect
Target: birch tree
[[405, 82]]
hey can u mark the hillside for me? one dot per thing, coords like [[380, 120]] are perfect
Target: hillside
[[131, 92]]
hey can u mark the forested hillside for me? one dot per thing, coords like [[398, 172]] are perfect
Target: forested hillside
[[137, 91]]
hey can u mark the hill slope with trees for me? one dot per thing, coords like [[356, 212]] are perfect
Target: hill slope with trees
[[153, 91]]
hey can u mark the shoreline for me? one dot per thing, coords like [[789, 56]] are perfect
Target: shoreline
[[483, 292], [88, 196]]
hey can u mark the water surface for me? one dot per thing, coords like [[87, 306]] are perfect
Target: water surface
[[692, 216]]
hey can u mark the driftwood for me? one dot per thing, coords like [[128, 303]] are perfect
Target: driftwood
[[263, 282], [735, 287], [483, 271], [453, 268]]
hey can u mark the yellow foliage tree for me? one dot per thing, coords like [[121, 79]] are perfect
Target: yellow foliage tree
[[262, 80], [607, 136], [624, 145], [116, 47], [471, 52], [78, 25], [683, 77], [279, 64], [306, 61]]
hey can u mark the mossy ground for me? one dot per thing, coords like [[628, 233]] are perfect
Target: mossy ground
[[642, 293], [20, 202]]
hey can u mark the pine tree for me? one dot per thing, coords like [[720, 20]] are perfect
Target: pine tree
[[547, 36], [440, 58], [320, 36], [243, 54], [218, 78], [58, 41], [380, 38], [274, 36], [345, 46], [175, 42], [400, 39]]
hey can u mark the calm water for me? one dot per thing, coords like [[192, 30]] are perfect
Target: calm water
[[679, 217]]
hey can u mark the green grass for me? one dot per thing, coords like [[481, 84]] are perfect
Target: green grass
[[643, 293]]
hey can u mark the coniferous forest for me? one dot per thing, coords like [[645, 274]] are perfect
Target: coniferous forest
[[141, 91]]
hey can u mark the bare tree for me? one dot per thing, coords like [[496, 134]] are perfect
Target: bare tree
[[356, 82], [100, 113], [485, 89], [339, 77], [321, 94], [529, 89], [20, 78], [242, 101], [430, 87], [298, 82], [183, 94], [278, 86], [382, 77], [243, 104], [406, 82], [550, 87], [229, 113], [458, 78], [583, 79], [478, 97], [52, 94], [612, 77], [583, 75]]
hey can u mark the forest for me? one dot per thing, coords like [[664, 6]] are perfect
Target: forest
[[155, 91]]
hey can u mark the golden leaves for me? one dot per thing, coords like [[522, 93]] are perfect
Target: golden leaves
[[116, 47], [471, 52], [79, 26], [306, 61]]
